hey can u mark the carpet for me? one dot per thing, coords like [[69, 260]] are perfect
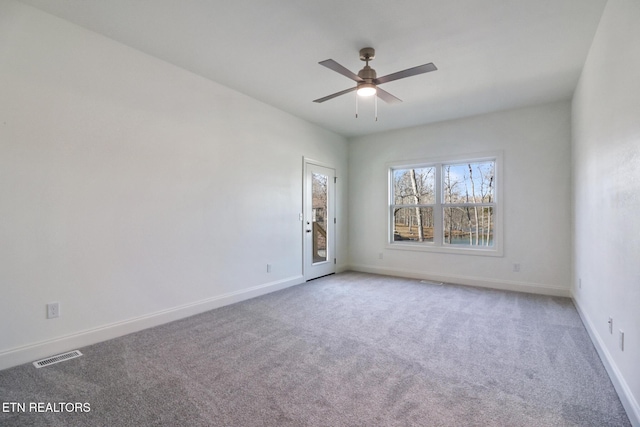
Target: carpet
[[351, 349]]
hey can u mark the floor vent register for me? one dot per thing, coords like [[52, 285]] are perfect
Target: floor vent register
[[56, 359]]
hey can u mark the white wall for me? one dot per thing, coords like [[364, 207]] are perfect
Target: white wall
[[606, 179], [134, 192], [536, 147]]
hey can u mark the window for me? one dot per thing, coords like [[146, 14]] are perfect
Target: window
[[446, 206], [414, 197]]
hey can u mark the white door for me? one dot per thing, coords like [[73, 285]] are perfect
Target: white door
[[319, 221]]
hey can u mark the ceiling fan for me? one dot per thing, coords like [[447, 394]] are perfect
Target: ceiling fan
[[366, 79]]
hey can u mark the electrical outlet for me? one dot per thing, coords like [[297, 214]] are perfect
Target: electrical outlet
[[621, 340], [380, 255], [53, 310], [516, 268], [610, 325], [579, 283]]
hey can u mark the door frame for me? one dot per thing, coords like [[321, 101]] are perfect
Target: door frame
[[308, 270]]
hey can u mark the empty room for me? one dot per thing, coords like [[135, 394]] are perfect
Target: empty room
[[363, 213]]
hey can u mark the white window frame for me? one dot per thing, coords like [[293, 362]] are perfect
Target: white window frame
[[438, 245]]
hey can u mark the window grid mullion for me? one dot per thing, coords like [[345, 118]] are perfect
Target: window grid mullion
[[438, 229], [468, 205]]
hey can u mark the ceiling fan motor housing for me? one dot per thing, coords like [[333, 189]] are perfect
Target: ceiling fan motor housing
[[367, 86], [367, 73]]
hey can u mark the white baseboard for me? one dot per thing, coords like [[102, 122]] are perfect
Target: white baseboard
[[624, 393], [532, 288], [28, 353]]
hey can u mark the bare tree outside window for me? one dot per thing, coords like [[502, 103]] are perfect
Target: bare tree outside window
[[414, 195], [468, 203]]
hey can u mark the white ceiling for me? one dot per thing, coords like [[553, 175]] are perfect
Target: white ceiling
[[491, 54]]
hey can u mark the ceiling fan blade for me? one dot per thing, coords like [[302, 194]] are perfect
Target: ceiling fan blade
[[326, 98], [420, 69], [333, 65], [387, 97]]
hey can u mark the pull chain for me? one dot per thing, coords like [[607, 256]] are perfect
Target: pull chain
[[356, 104], [376, 103]]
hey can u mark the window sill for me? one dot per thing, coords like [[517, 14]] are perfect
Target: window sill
[[430, 247]]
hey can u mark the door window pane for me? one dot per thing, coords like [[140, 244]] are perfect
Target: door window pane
[[319, 216]]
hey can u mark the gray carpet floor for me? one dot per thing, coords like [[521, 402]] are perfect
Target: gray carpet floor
[[351, 349]]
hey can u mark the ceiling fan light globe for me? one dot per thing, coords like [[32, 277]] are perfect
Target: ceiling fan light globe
[[366, 89]]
